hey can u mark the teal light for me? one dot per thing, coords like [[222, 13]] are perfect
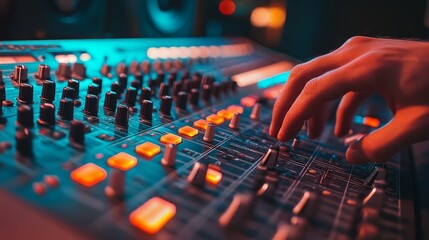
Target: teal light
[[274, 80], [358, 119]]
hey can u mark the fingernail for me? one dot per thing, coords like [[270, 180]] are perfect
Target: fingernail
[[355, 153]]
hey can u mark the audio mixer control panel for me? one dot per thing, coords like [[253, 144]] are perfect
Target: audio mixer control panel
[[167, 139]]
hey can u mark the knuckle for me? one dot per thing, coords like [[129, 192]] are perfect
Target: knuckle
[[310, 87], [356, 40]]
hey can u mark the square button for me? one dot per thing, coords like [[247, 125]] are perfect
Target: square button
[[225, 114], [215, 119], [122, 161], [213, 176], [88, 174], [171, 138], [148, 149], [188, 131], [201, 124], [235, 108], [152, 216]]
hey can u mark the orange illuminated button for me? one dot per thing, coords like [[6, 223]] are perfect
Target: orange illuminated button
[[225, 114], [249, 101], [201, 124], [371, 122], [88, 174], [188, 131], [122, 161], [148, 149], [153, 215], [213, 176], [235, 108], [171, 138], [215, 119]]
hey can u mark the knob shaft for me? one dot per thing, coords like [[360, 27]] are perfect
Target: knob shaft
[[209, 133], [24, 143], [130, 97], [20, 74], [182, 101], [163, 90], [235, 121], [75, 85], [47, 114], [145, 94], [123, 81], [43, 72], [25, 116], [93, 89], [256, 112], [197, 176], [99, 82], [238, 211], [77, 133], [68, 92], [63, 71], [270, 158], [78, 71], [169, 158], [165, 107]]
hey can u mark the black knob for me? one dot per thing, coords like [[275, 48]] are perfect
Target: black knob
[[116, 88], [43, 72], [25, 116], [197, 79], [145, 66], [77, 133], [20, 74], [177, 87], [171, 79], [24, 143], [160, 78], [68, 92], [123, 81], [138, 76], [197, 176], [91, 105], [187, 86], [63, 71], [121, 68], [145, 94], [78, 71], [137, 84], [151, 83], [130, 97], [122, 116], [206, 93], [208, 79], [185, 75], [25, 93], [146, 111], [99, 82], [66, 109], [165, 107], [134, 67], [216, 90], [182, 100], [75, 85], [2, 93], [105, 70], [46, 114], [93, 89], [48, 91], [194, 95], [110, 101], [163, 90]]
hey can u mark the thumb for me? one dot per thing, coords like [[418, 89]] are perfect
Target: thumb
[[409, 125]]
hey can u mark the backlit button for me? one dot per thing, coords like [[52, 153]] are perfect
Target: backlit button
[[122, 161], [171, 138], [235, 108], [188, 131], [148, 149], [213, 176], [215, 119], [88, 174], [152, 216], [201, 124], [225, 114]]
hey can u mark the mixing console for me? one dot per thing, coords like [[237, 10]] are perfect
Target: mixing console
[[167, 139]]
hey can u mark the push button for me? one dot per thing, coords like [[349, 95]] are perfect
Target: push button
[[122, 161], [171, 138], [201, 124], [235, 108], [188, 131], [148, 149], [88, 174], [215, 119], [227, 114]]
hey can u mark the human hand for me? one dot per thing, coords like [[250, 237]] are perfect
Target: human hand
[[398, 70]]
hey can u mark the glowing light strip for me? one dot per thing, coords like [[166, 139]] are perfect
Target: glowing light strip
[[256, 75]]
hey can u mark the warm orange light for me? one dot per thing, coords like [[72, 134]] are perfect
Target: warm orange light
[[201, 124], [148, 149], [122, 161], [215, 119], [236, 108], [227, 7], [213, 176], [188, 131], [371, 122], [227, 114], [249, 101], [152, 216], [272, 17], [171, 138], [88, 174], [255, 75]]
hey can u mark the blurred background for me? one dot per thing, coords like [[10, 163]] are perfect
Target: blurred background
[[300, 28]]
